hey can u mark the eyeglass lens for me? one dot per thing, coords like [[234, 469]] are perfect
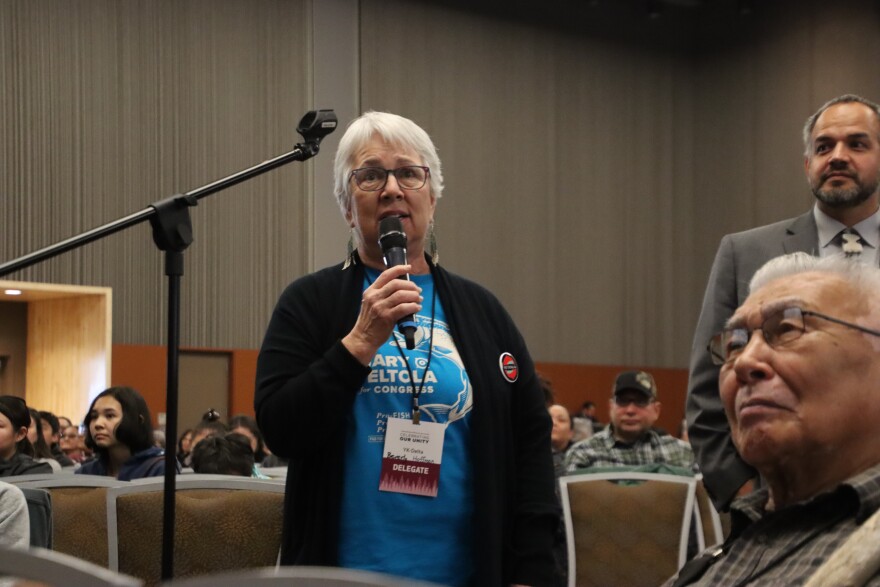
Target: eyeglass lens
[[410, 177], [779, 327]]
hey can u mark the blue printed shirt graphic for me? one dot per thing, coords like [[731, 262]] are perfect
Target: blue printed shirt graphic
[[428, 538]]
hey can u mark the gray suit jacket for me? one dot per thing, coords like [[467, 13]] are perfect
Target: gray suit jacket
[[739, 256]]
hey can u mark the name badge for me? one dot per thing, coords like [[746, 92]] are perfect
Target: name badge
[[411, 457]]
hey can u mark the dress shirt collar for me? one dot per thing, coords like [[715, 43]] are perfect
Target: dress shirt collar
[[829, 228]]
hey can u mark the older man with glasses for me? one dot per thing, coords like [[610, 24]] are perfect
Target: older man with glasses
[[630, 440], [800, 383], [842, 167]]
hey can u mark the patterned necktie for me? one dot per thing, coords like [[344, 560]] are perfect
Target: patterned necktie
[[851, 243]]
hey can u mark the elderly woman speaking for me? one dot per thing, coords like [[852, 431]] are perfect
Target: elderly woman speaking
[[431, 463]]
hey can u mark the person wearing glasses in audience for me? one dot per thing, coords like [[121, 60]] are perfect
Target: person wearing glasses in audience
[[72, 445], [800, 383], [842, 166], [431, 462], [630, 440]]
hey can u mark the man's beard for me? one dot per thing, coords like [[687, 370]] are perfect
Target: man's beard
[[846, 197]]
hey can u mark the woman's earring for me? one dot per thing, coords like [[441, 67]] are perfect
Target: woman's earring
[[349, 251], [432, 245]]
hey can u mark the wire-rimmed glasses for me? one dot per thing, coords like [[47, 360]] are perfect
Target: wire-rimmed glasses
[[779, 328]]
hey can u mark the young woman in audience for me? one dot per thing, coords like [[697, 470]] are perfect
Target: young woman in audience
[[120, 431], [42, 452], [16, 451]]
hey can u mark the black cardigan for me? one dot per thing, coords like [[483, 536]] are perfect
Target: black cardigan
[[306, 385]]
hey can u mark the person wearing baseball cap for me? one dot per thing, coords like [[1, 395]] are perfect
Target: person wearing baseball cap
[[630, 440]]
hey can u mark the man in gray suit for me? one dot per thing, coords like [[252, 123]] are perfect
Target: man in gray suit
[[842, 165]]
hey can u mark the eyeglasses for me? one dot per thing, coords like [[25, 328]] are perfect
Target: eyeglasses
[[373, 179], [779, 328], [640, 401]]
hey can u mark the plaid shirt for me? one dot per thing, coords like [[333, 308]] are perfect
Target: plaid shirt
[[602, 450], [787, 546]]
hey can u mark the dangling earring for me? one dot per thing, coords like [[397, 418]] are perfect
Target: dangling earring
[[349, 251], [432, 245]]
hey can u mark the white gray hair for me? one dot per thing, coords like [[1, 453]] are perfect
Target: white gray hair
[[394, 129], [863, 276]]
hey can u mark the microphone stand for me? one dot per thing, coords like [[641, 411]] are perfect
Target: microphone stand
[[172, 233]]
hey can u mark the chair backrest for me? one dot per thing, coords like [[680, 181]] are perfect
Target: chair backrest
[[39, 504], [79, 514], [21, 479], [222, 523], [626, 534], [49, 567], [299, 576], [709, 518]]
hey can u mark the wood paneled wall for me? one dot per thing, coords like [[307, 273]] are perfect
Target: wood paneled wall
[[68, 351], [13, 347]]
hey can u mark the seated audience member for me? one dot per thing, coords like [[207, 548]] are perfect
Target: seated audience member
[[42, 452], [800, 385], [51, 428], [209, 425], [560, 436], [247, 426], [184, 446], [560, 441], [159, 439], [588, 413], [16, 451], [229, 454], [15, 527], [120, 431], [630, 439], [71, 443]]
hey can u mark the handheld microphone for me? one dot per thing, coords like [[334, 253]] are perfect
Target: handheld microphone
[[392, 240]]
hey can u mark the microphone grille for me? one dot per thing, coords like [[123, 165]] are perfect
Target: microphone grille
[[391, 233], [390, 224]]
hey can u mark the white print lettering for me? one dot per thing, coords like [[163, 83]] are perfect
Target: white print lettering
[[428, 389], [385, 376], [410, 469]]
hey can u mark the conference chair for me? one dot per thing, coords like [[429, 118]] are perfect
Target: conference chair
[[709, 526], [300, 577], [49, 567], [222, 523], [626, 529], [79, 513], [39, 505]]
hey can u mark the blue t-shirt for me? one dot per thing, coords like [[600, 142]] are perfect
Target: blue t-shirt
[[428, 538]]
